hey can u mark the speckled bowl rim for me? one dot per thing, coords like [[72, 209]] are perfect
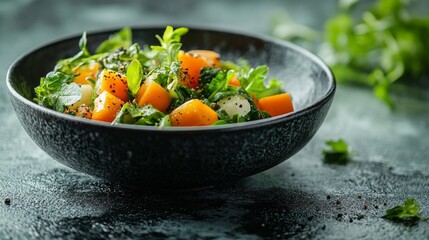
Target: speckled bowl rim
[[221, 128]]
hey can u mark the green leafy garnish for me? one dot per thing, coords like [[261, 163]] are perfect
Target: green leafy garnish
[[121, 39], [169, 45], [387, 43], [55, 91], [253, 81], [160, 64], [165, 121], [83, 45], [83, 57], [144, 115], [182, 95], [166, 54], [339, 152], [134, 76], [217, 85], [67, 95], [409, 212]]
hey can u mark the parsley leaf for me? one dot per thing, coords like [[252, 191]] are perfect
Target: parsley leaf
[[338, 153], [56, 92], [253, 82], [409, 211], [144, 115], [134, 76]]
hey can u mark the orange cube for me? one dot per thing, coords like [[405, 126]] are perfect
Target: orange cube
[[106, 107], [151, 92], [114, 83], [193, 113], [191, 66], [212, 57], [277, 104], [85, 71], [234, 81]]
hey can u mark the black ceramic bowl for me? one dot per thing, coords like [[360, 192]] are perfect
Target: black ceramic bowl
[[178, 158]]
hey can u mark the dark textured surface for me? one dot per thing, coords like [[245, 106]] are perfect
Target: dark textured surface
[[178, 158], [50, 201]]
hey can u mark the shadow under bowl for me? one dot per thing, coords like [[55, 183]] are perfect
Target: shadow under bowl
[[186, 157]]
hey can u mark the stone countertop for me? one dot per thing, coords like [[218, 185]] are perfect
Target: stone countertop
[[301, 198]]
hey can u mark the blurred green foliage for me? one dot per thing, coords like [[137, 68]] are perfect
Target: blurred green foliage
[[386, 43]]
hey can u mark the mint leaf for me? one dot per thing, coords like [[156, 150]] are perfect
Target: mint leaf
[[134, 76], [338, 152]]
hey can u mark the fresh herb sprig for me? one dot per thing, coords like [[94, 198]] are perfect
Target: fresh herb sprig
[[67, 65], [55, 91], [140, 115], [338, 152], [387, 43], [253, 81], [169, 45], [408, 212], [166, 55]]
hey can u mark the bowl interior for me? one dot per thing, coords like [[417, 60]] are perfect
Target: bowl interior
[[303, 74]]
